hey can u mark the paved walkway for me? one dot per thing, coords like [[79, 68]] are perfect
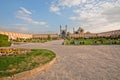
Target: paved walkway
[[80, 62]]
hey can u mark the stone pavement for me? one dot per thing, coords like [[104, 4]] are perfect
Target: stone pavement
[[79, 62]]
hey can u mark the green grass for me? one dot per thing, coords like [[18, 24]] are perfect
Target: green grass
[[10, 65], [4, 41], [99, 41]]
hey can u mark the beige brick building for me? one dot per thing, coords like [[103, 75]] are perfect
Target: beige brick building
[[45, 36], [15, 35], [102, 34]]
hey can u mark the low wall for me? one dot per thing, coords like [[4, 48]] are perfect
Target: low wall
[[33, 72]]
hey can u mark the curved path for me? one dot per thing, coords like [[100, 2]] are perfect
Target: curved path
[[79, 62]]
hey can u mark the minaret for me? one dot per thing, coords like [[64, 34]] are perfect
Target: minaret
[[73, 30], [66, 28], [60, 29]]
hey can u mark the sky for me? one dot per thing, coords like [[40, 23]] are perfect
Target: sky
[[45, 16]]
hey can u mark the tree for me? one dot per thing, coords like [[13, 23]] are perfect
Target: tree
[[82, 30], [49, 37], [4, 40]]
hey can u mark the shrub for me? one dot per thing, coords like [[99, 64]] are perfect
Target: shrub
[[4, 41]]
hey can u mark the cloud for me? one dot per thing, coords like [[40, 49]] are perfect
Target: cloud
[[55, 9], [25, 10], [73, 18], [23, 29], [98, 16], [15, 28], [70, 3], [17, 24], [60, 4], [25, 15], [112, 14], [95, 15]]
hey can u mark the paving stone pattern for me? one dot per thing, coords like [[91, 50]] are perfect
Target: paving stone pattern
[[79, 62]]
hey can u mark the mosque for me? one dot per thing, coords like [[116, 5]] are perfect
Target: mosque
[[80, 33], [63, 32]]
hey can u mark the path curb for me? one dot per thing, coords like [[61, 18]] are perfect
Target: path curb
[[26, 74]]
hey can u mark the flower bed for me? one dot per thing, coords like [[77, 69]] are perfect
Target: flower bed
[[13, 51]]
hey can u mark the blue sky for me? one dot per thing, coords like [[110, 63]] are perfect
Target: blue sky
[[45, 16]]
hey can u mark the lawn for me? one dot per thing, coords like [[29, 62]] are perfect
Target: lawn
[[98, 41], [10, 65]]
